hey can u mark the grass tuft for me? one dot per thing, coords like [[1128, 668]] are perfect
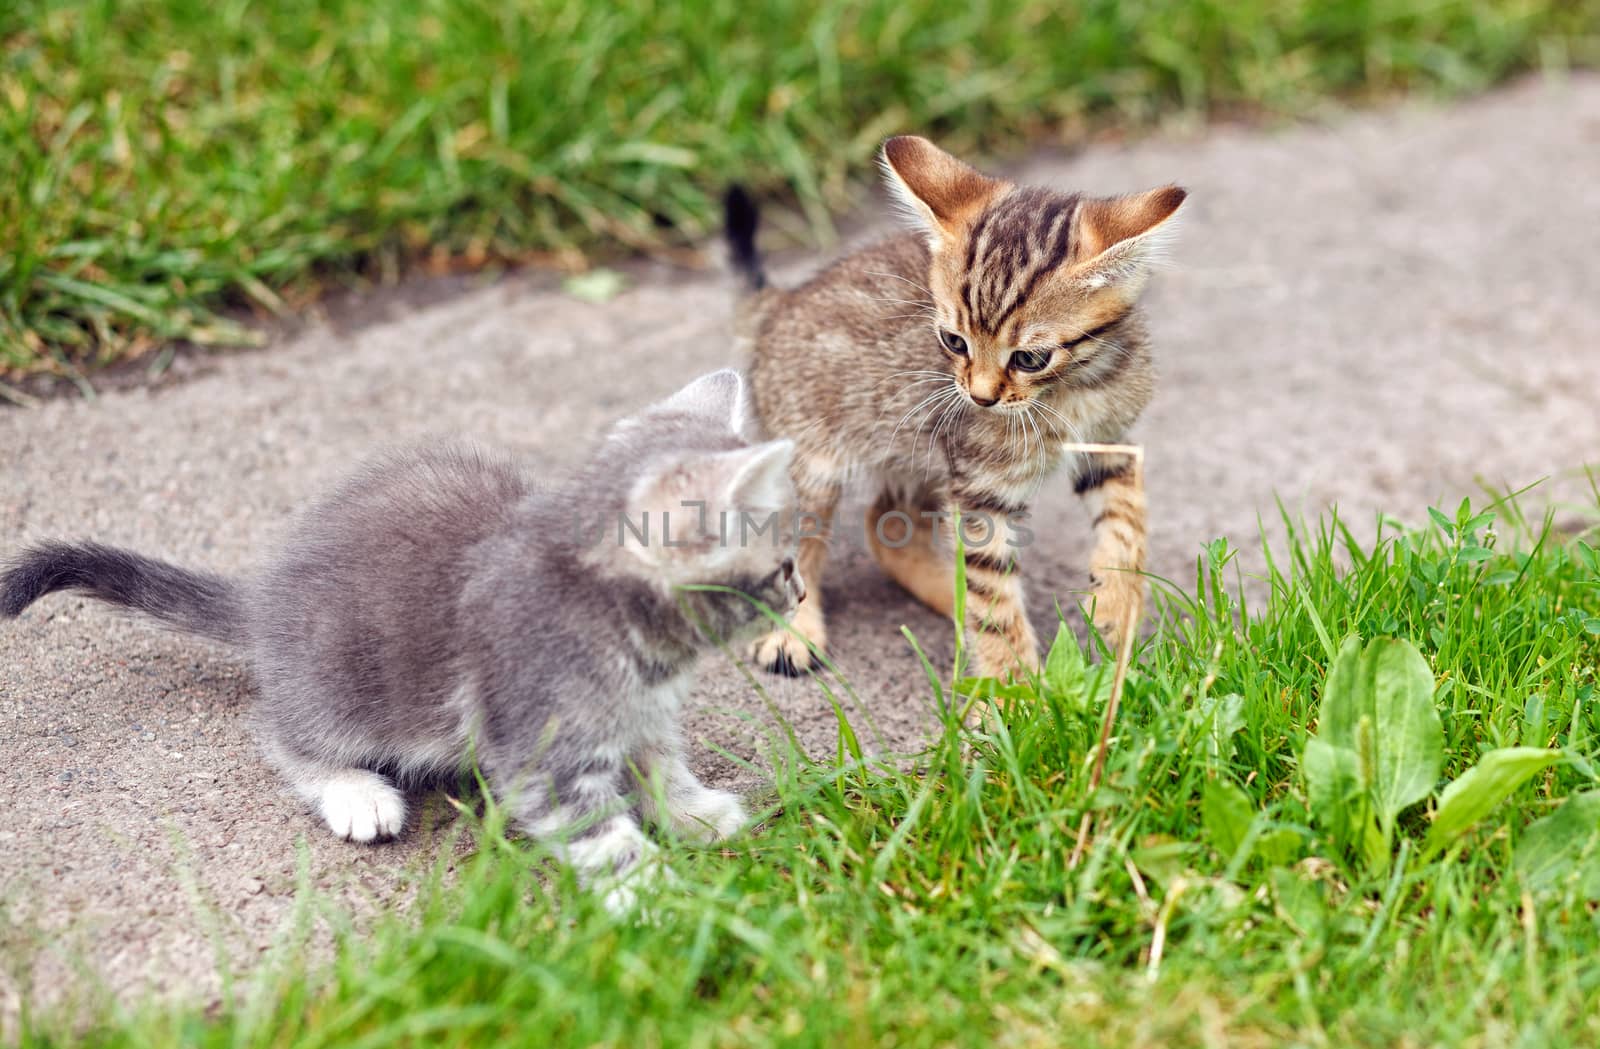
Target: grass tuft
[[933, 901], [169, 161]]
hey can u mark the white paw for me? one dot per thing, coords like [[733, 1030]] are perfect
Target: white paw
[[621, 894], [362, 806], [620, 898], [711, 815]]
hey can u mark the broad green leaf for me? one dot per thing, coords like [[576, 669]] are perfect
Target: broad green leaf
[[1066, 672], [1563, 848], [1164, 860], [1340, 708], [1299, 902], [1378, 704], [1227, 812], [1333, 782], [1479, 789], [1279, 847]]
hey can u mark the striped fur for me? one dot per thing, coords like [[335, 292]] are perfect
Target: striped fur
[[950, 366]]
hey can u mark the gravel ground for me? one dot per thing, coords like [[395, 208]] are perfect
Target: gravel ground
[[1381, 312]]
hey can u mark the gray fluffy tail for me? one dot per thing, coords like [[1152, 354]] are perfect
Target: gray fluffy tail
[[197, 602], [740, 218]]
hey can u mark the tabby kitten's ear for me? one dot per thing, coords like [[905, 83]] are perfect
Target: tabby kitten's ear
[[1122, 237], [719, 396], [942, 193]]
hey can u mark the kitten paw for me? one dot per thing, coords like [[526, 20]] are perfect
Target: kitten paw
[[712, 815], [782, 653], [622, 867], [626, 895], [1000, 657], [362, 806], [786, 652], [1115, 598]]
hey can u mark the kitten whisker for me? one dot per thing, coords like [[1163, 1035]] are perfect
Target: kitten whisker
[[895, 276], [953, 411], [1038, 434], [925, 372], [932, 397], [919, 382], [933, 413], [926, 307], [1067, 424]]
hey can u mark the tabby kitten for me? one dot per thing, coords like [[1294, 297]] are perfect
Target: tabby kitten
[[950, 365], [439, 600]]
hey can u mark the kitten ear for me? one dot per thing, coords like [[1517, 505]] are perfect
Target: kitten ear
[[761, 479], [753, 478], [939, 191], [689, 497], [719, 395], [1122, 237]]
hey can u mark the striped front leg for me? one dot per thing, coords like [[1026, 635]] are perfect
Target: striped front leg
[[1113, 489], [998, 629]]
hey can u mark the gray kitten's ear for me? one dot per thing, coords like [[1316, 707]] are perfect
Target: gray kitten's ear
[[942, 193], [760, 479], [756, 477], [721, 395], [1123, 237]]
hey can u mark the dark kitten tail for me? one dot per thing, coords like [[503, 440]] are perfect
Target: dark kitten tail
[[740, 219], [197, 602]]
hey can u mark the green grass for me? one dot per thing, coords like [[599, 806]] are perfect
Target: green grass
[[933, 902], [164, 160]]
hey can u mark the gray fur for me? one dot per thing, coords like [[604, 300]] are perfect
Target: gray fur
[[439, 598]]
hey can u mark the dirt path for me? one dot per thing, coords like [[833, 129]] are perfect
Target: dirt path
[[1374, 314]]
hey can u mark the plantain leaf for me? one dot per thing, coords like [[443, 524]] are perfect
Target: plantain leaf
[[1378, 705], [1476, 791], [1563, 849], [1227, 813]]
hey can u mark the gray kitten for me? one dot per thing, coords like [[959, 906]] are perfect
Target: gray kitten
[[439, 599]]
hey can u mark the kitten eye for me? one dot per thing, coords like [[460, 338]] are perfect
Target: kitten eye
[[1030, 360], [953, 342]]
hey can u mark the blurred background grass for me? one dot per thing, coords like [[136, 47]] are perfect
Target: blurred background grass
[[165, 162]]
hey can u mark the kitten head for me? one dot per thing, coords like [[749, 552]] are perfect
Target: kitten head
[[697, 498], [1029, 285]]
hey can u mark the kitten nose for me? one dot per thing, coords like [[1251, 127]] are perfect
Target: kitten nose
[[983, 402]]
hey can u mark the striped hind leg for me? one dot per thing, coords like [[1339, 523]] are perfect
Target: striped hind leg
[[1113, 490]]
